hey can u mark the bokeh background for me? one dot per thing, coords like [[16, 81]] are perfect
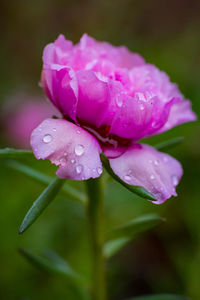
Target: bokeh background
[[166, 259]]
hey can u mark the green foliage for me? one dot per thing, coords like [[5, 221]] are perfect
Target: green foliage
[[135, 226], [40, 177], [169, 144], [120, 236], [167, 35], [51, 263], [41, 203], [14, 153]]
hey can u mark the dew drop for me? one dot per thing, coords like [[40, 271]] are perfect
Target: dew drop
[[156, 162], [119, 101], [140, 96], [79, 169], [141, 106], [158, 196], [152, 177], [78, 131], [99, 170], [47, 138], [54, 129], [79, 150], [63, 160], [174, 180], [72, 161], [127, 177]]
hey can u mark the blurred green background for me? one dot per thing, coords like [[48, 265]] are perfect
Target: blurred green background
[[166, 259]]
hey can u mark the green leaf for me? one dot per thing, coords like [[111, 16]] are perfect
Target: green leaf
[[140, 191], [136, 226], [112, 247], [29, 171], [160, 297], [41, 203], [45, 179], [122, 235], [170, 143], [54, 264], [15, 153]]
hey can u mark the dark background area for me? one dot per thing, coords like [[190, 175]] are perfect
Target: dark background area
[[166, 259]]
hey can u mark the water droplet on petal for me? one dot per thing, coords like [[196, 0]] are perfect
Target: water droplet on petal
[[141, 106], [140, 96], [156, 162], [78, 131], [47, 138], [79, 169], [119, 101], [152, 177], [127, 177], [99, 170], [158, 196], [63, 160], [72, 161], [79, 150], [54, 129], [174, 180]]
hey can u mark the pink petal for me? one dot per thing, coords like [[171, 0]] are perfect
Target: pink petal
[[128, 59], [68, 146], [119, 56], [157, 172], [93, 98], [180, 113], [134, 116], [24, 117], [61, 87]]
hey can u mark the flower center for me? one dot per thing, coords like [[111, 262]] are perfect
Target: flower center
[[106, 139]]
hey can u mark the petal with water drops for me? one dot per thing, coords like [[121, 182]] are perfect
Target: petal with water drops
[[68, 146], [157, 172]]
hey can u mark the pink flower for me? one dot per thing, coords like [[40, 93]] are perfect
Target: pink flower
[[109, 98], [19, 122]]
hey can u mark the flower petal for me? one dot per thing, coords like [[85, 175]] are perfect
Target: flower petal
[[134, 116], [58, 79], [180, 113], [119, 56], [68, 146], [60, 85], [144, 166], [93, 98]]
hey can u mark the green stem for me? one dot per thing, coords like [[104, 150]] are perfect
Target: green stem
[[95, 221]]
